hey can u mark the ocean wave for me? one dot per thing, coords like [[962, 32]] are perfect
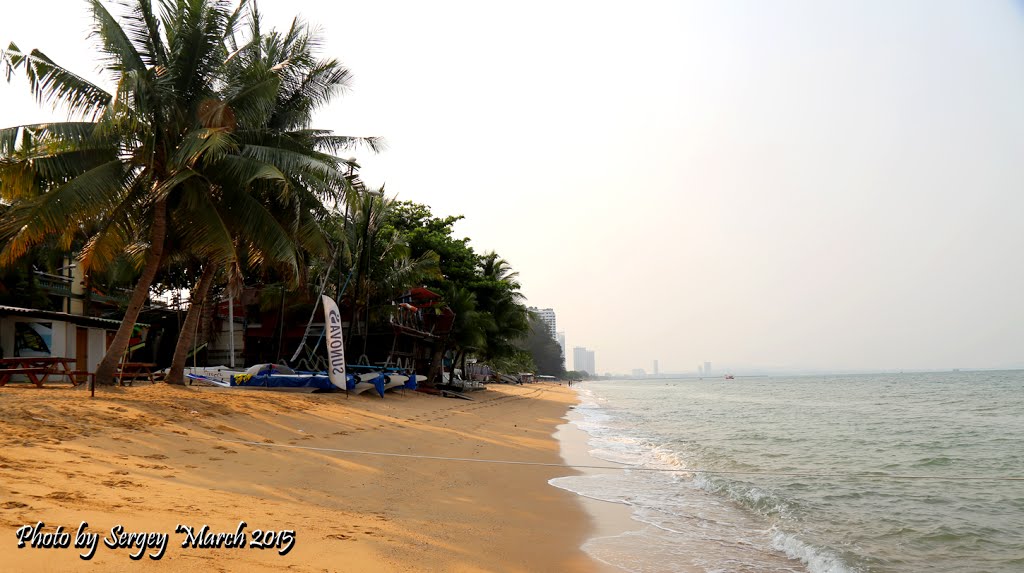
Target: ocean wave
[[675, 504], [817, 559]]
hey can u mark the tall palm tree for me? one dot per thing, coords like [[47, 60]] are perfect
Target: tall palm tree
[[282, 70], [163, 142]]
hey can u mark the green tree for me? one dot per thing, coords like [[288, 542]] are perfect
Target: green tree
[[379, 259], [545, 351], [282, 69], [153, 153], [424, 232]]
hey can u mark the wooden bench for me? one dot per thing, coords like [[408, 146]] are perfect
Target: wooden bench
[[81, 377], [37, 375], [129, 372]]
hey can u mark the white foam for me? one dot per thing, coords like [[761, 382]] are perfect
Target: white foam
[[818, 560], [689, 524]]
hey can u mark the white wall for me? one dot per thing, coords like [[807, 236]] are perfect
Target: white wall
[[58, 345], [63, 342]]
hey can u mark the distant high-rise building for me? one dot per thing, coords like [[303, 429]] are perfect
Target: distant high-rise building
[[583, 360], [700, 370], [560, 337], [547, 315], [639, 372], [655, 367], [578, 358], [707, 369]]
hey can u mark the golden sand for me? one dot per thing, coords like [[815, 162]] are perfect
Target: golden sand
[[153, 457]]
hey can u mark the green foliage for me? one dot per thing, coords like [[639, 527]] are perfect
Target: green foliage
[[384, 265], [18, 287], [544, 350], [424, 232], [518, 361], [483, 289]]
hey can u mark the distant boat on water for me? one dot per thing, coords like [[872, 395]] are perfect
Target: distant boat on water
[[730, 377]]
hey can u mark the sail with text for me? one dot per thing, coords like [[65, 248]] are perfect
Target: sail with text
[[335, 343]]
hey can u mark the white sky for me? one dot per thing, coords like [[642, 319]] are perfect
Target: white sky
[[790, 184]]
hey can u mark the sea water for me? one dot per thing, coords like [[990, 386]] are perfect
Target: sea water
[[836, 433]]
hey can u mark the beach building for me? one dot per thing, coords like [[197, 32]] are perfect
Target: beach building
[[29, 332], [547, 315], [62, 320]]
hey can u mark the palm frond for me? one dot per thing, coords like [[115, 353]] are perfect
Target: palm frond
[[336, 143], [203, 144], [51, 83], [121, 53], [295, 163], [56, 212], [243, 171], [143, 28]]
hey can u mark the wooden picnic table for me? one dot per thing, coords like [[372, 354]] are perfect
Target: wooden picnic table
[[36, 368], [132, 371]]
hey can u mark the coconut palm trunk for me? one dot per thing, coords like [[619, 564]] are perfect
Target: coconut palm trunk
[[436, 367], [116, 350], [188, 330]]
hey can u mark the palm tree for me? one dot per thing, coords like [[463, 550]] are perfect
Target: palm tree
[[497, 269], [154, 152], [470, 328], [379, 257], [498, 295], [282, 69]]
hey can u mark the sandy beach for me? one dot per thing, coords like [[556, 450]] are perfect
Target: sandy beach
[[152, 458]]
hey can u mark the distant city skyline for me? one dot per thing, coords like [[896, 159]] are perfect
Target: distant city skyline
[[583, 360]]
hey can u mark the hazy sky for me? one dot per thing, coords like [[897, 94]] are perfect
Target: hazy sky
[[797, 184]]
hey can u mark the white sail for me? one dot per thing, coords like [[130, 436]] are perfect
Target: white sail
[[335, 344]]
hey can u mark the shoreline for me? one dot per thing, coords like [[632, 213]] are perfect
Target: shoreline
[[608, 519], [153, 457]]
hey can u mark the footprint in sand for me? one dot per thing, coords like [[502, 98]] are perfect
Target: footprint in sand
[[341, 537], [14, 505], [155, 457], [65, 496]]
